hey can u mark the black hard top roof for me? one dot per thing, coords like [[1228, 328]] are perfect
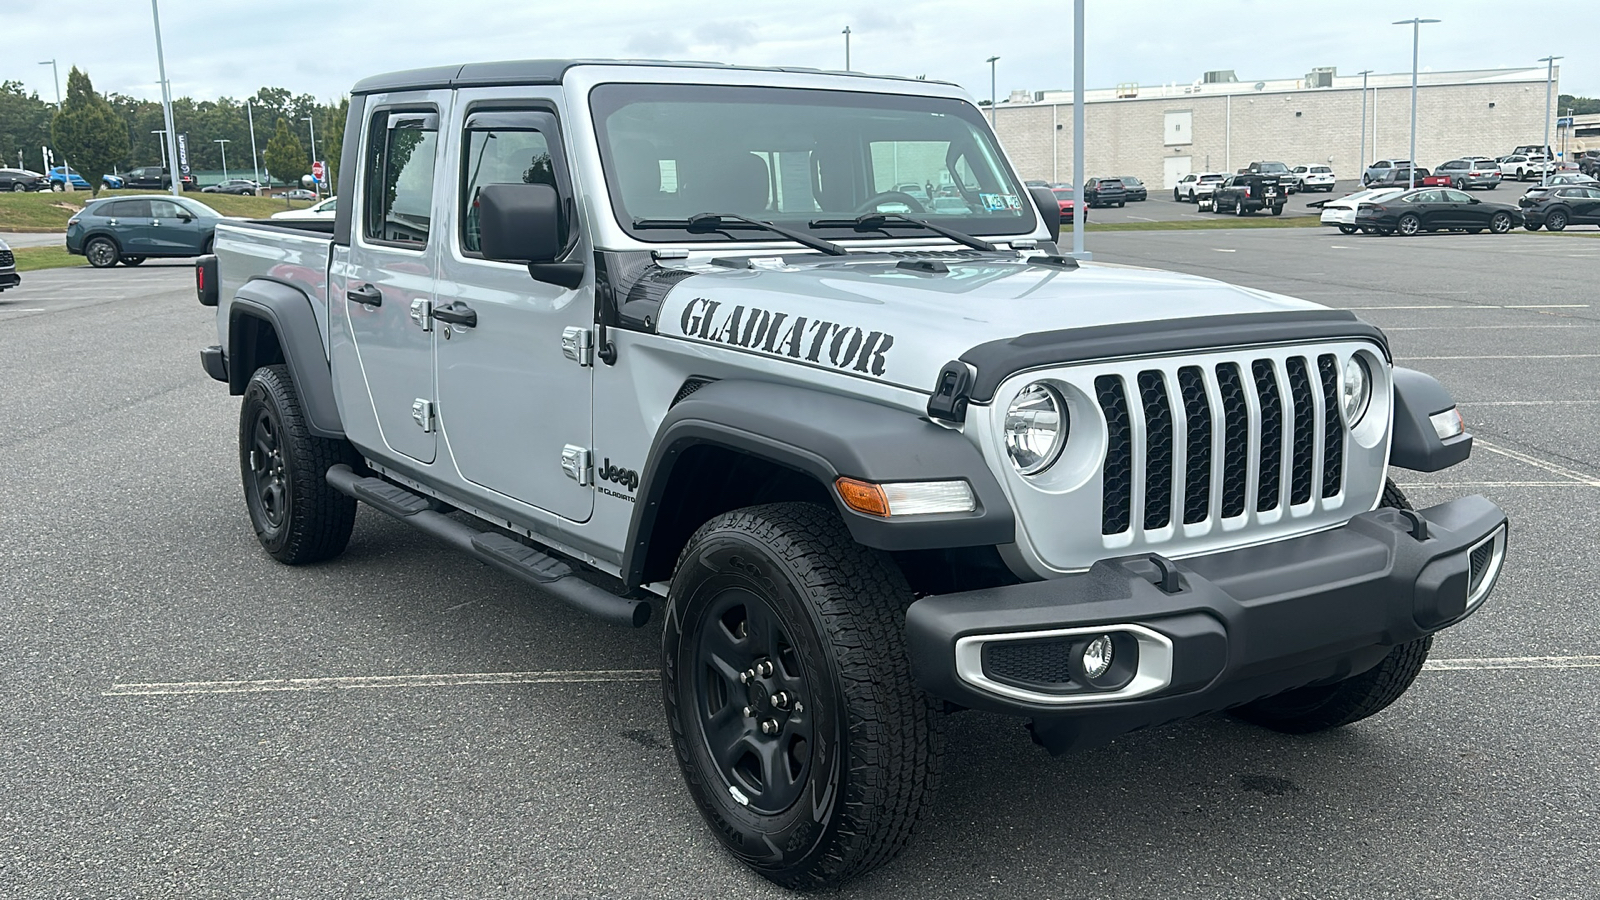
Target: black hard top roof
[[546, 71]]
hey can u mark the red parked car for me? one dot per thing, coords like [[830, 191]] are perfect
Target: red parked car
[[1064, 197]]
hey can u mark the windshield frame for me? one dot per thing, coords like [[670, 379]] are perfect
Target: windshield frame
[[606, 97]]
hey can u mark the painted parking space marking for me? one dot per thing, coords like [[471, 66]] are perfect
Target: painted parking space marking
[[1512, 662], [1531, 356], [283, 685], [1552, 468]]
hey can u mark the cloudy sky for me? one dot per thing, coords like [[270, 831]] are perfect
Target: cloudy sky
[[232, 47]]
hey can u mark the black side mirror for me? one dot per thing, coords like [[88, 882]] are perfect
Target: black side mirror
[[1049, 209], [525, 223], [520, 222]]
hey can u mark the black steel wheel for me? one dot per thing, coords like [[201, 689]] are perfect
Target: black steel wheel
[[802, 737], [1556, 221], [1409, 225], [102, 252], [297, 516], [1501, 223], [1323, 706]]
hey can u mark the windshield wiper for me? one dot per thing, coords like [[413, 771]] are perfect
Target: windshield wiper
[[708, 222], [879, 221]]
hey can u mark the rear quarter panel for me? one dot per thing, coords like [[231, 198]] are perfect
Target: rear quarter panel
[[250, 250]]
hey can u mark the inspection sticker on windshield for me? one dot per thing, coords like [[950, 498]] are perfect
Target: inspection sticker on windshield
[[1000, 202]]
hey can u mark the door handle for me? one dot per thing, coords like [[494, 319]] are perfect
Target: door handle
[[366, 294], [457, 313]]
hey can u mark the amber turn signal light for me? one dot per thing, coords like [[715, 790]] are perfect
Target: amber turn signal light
[[863, 496]]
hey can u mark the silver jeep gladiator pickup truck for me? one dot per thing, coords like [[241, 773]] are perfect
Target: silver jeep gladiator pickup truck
[[679, 338]]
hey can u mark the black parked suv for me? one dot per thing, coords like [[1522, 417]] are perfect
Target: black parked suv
[[1557, 207], [154, 178], [1249, 192], [1105, 192]]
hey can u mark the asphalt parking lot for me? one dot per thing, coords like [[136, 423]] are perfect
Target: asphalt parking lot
[[151, 743]]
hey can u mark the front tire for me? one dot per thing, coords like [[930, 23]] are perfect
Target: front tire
[[1501, 223], [827, 781], [297, 516], [1320, 707]]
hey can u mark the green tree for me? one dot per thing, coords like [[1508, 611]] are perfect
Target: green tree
[[1578, 106], [87, 133], [24, 126], [333, 144], [285, 156]]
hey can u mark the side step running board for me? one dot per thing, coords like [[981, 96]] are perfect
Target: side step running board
[[510, 556]]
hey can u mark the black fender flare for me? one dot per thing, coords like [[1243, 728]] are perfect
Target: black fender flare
[[826, 436], [1416, 445], [288, 311]]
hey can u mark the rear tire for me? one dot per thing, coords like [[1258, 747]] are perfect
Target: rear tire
[[1409, 225], [132, 260], [297, 516], [1347, 229], [1320, 707], [102, 252], [851, 762], [1556, 221]]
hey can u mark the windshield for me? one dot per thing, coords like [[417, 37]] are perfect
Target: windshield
[[792, 156], [1272, 168]]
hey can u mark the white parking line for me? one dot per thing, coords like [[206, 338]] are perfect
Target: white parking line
[[276, 685], [1465, 306], [1531, 356], [1552, 468], [1455, 485], [1512, 662], [7, 309], [1522, 402], [1476, 327]]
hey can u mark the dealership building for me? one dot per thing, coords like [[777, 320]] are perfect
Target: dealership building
[[1218, 123]]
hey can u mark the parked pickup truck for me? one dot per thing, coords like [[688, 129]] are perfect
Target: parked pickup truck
[[1247, 193], [668, 338]]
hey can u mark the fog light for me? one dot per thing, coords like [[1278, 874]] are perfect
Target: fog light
[[1097, 656]]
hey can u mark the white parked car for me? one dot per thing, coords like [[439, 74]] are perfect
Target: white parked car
[[1341, 213], [318, 212], [1195, 185], [1314, 178]]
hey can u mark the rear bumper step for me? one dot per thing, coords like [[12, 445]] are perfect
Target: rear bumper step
[[514, 558]]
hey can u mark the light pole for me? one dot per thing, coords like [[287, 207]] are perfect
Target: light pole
[[1416, 38], [1078, 212], [308, 120], [250, 113], [224, 142], [991, 61], [53, 71], [1361, 158], [166, 104], [846, 34], [1549, 79]]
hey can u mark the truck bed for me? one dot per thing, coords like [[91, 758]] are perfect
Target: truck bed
[[294, 253]]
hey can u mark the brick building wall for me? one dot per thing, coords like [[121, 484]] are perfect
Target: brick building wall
[[1322, 126]]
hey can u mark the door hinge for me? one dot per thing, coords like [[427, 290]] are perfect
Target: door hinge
[[422, 414], [575, 462], [577, 344], [422, 313]]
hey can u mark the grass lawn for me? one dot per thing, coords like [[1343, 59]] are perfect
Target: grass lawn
[[49, 211], [31, 258]]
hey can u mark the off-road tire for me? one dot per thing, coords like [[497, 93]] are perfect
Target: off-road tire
[[303, 520], [872, 764], [1320, 707]]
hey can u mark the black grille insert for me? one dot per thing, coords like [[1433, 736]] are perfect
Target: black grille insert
[[1478, 565], [1197, 453], [1045, 662], [1116, 507], [1305, 430], [1235, 439], [1157, 450], [1268, 484], [1332, 427]]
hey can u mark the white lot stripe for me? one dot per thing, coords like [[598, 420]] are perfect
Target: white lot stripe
[[1478, 305], [1536, 356], [1512, 662], [1522, 402], [1223, 250], [1476, 484], [20, 310], [1476, 327], [1552, 468], [272, 685]]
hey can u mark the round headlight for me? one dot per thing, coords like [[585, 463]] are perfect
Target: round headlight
[[1036, 427], [1355, 390]]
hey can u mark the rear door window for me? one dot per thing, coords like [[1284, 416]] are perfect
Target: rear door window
[[128, 209], [400, 166]]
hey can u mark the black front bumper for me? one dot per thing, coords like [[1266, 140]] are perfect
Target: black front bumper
[[9, 280], [1238, 625]]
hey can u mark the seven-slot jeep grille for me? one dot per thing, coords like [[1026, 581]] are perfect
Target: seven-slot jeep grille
[[1215, 437]]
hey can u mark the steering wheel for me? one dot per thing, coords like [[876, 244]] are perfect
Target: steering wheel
[[871, 204]]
